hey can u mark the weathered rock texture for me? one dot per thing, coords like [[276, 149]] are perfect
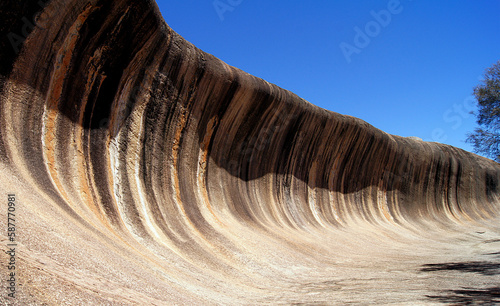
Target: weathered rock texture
[[148, 172]]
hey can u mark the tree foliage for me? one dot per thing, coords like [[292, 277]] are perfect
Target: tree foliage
[[486, 138]]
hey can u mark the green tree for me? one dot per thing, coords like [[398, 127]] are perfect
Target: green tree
[[486, 138]]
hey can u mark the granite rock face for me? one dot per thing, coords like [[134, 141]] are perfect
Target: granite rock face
[[147, 172]]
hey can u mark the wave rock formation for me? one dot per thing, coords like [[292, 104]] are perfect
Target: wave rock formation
[[147, 172]]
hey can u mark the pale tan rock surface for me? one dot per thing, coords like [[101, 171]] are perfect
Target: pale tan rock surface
[[148, 172]]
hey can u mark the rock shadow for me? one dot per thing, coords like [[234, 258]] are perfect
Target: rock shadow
[[481, 267], [469, 296]]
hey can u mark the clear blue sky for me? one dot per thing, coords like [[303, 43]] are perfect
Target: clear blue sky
[[406, 67]]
